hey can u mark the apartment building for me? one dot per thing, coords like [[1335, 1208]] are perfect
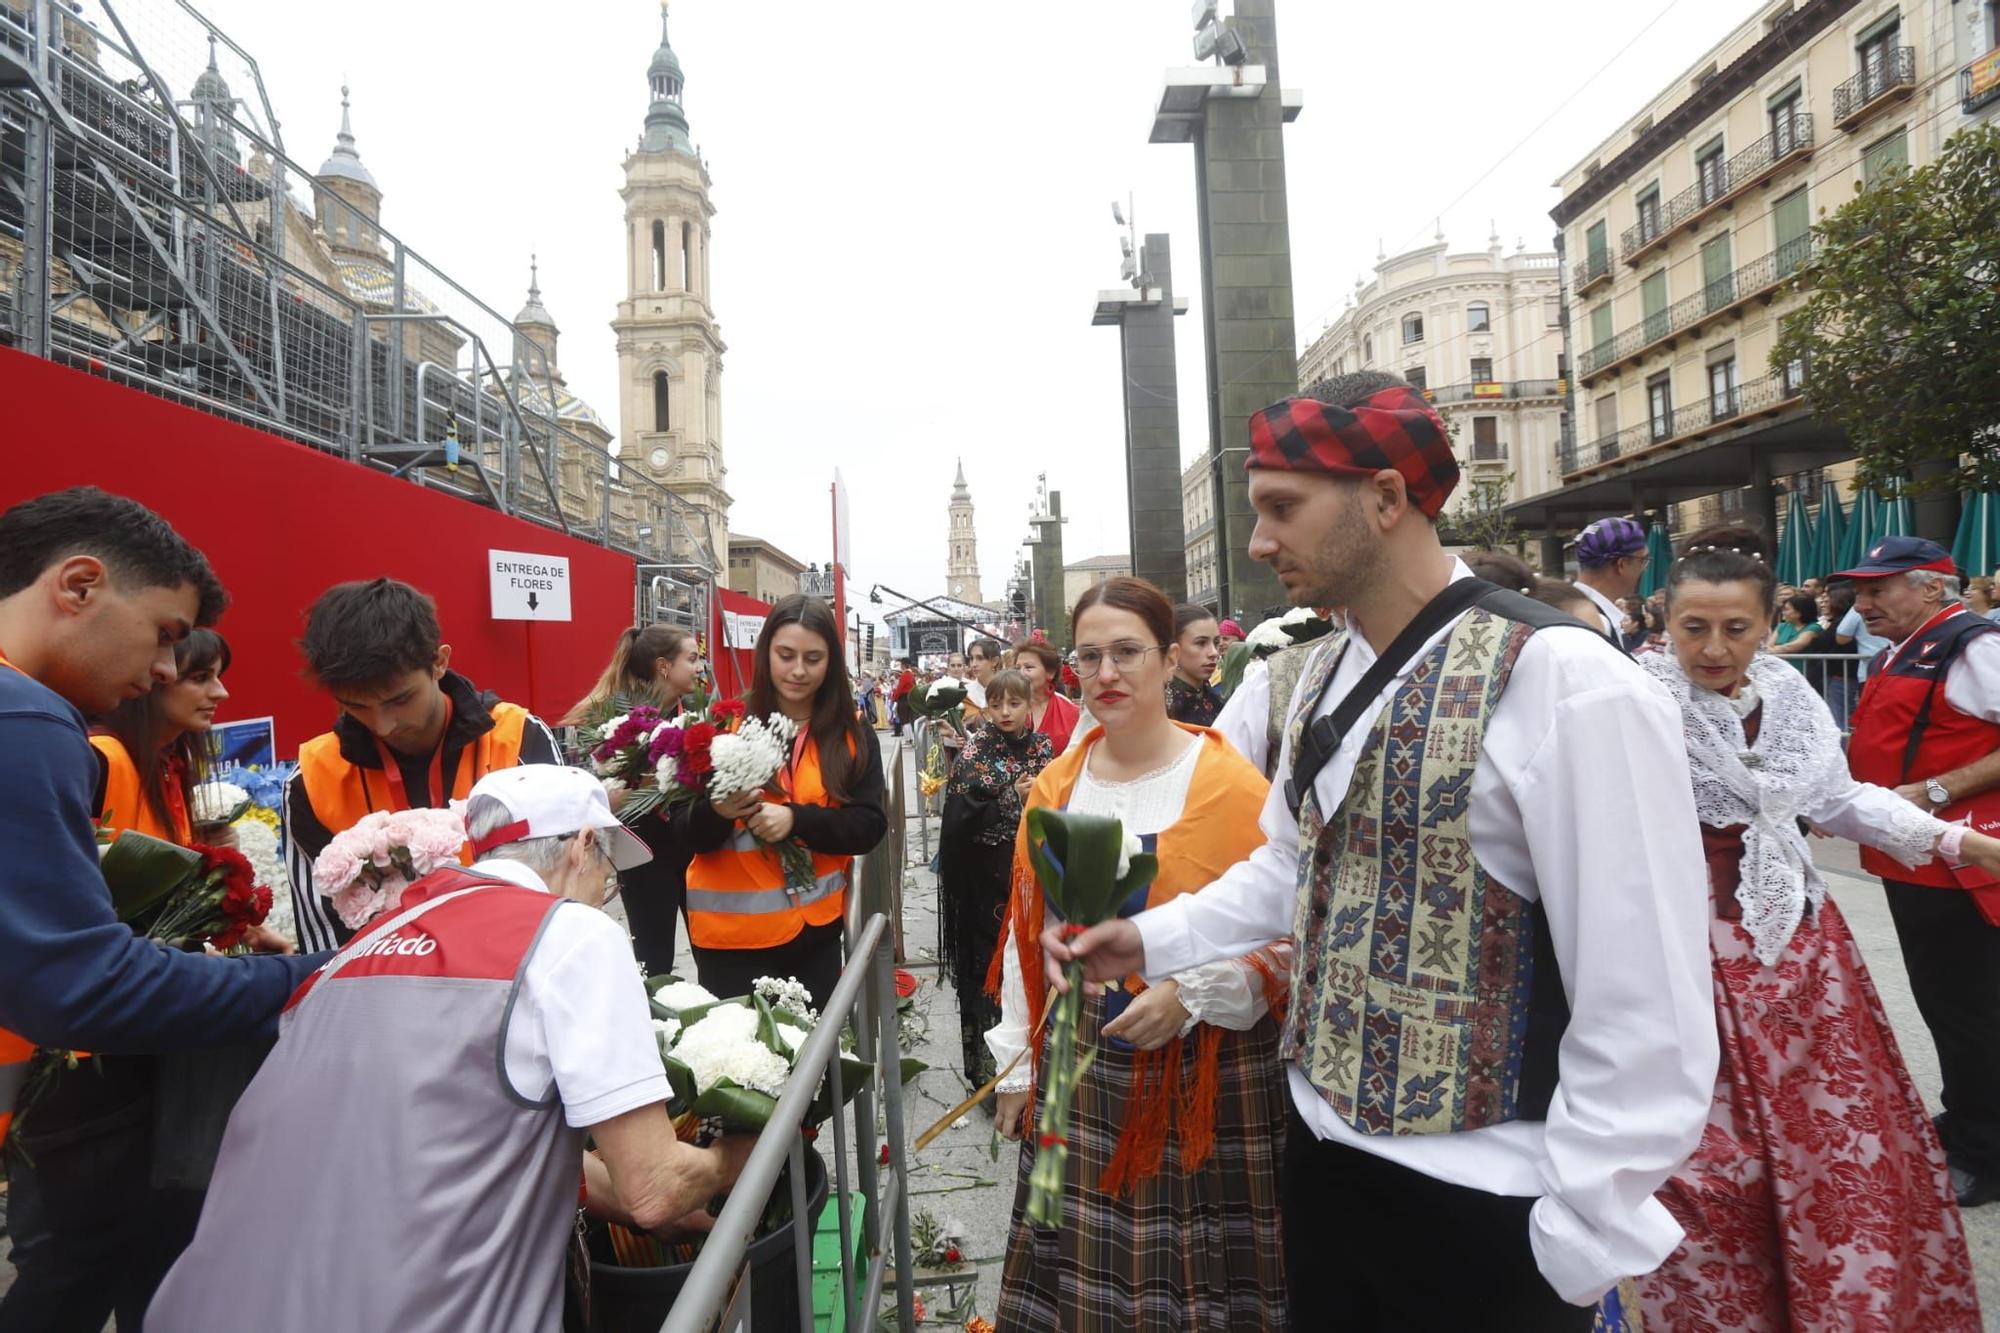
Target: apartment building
[[1679, 231]]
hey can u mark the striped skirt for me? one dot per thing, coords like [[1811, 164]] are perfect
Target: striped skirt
[[1189, 1251]]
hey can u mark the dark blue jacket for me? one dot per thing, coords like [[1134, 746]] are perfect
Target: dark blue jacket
[[71, 975]]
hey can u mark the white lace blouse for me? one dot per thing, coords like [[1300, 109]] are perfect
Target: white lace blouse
[[1228, 994], [1795, 770]]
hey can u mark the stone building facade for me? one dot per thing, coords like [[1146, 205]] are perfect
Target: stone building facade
[[962, 558]]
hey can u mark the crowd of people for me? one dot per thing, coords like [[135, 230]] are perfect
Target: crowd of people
[[1488, 979], [1492, 918]]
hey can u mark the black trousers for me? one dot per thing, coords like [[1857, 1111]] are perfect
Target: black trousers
[[655, 897], [1373, 1245], [1953, 957], [812, 956]]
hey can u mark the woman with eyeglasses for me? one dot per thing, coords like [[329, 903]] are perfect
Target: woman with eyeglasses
[[1050, 713], [1172, 1208]]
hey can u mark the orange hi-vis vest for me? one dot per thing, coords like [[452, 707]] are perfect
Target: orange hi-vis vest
[[737, 897], [125, 806], [342, 794]]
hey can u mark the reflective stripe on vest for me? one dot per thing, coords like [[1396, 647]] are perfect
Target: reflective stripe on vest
[[342, 794], [737, 897]]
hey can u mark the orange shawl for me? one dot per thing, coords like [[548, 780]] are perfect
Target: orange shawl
[[1217, 828]]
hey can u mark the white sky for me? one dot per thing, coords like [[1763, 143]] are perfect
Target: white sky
[[913, 204]]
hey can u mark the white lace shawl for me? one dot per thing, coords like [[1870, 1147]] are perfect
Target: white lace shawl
[[1794, 768]]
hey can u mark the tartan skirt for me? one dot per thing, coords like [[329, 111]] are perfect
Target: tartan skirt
[[1194, 1251]]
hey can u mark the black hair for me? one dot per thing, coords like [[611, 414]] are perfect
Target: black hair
[[1009, 682], [1186, 614], [137, 546], [990, 649], [360, 635], [1354, 388], [1806, 605], [834, 723], [1726, 555], [1505, 568], [139, 726]]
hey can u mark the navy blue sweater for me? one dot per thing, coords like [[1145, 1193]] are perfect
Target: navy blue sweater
[[71, 975]]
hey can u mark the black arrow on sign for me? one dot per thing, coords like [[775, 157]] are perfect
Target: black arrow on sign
[[532, 603]]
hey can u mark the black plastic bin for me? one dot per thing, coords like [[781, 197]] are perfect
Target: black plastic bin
[[636, 1300]]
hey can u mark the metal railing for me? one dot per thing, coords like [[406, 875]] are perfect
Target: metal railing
[[1494, 390], [866, 993], [1715, 298], [1676, 424], [1896, 72], [1590, 271], [1721, 183], [150, 232], [1979, 82]]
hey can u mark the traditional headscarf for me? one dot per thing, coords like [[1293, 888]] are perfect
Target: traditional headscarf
[[1396, 428]]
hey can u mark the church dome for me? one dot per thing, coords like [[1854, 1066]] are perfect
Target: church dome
[[666, 122], [345, 163], [534, 313]]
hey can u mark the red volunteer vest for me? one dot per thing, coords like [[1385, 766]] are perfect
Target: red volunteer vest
[[1908, 676]]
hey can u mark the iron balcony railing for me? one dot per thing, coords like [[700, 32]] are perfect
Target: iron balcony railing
[[1979, 82], [1680, 423], [1715, 298], [1593, 270], [1893, 75], [1789, 139], [1494, 391], [1492, 451]]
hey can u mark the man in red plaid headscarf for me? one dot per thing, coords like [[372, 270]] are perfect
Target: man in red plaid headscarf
[[1482, 843]]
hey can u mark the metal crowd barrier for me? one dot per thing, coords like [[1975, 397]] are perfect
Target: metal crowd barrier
[[717, 1292], [1837, 678]]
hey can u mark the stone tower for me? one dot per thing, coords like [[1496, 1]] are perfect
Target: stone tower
[[669, 346], [962, 566]]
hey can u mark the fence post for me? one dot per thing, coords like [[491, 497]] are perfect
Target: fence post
[[889, 1074]]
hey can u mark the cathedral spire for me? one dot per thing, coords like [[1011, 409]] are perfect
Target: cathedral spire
[[345, 161], [666, 122]]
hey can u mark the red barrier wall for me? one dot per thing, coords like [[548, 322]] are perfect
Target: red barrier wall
[[733, 667], [282, 522]]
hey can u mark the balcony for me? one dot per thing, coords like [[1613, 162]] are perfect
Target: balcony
[[1889, 80], [1759, 278], [1679, 425], [1720, 189], [1489, 453], [1592, 273], [1979, 82], [1494, 391]]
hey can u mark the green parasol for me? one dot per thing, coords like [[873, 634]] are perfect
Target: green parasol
[[1897, 519], [1660, 555], [1794, 542], [1865, 529], [1976, 548], [1828, 534]]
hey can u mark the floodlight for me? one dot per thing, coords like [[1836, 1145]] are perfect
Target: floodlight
[[1202, 13], [1125, 246], [1128, 269], [1231, 48], [1206, 37], [1117, 212]]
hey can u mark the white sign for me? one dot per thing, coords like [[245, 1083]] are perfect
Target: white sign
[[732, 637], [527, 586]]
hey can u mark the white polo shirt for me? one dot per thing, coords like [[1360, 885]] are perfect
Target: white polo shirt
[[580, 1022]]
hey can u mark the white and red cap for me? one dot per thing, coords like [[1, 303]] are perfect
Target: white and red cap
[[552, 800]]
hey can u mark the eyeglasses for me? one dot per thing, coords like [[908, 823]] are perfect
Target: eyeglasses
[[1124, 656]]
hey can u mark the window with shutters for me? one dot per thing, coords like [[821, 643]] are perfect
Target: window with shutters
[[1884, 156], [1785, 124], [1648, 207], [1597, 249], [1600, 336], [1607, 416], [1415, 375], [1482, 369], [1718, 281], [1791, 231], [1660, 406], [1876, 56], [1711, 172], [1486, 439], [1722, 397], [1653, 304]]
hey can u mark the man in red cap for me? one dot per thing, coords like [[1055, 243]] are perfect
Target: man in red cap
[[1483, 846], [1928, 725]]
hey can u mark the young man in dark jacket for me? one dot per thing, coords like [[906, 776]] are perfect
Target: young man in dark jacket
[[95, 590]]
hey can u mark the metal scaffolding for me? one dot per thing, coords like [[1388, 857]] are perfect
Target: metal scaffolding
[[150, 233]]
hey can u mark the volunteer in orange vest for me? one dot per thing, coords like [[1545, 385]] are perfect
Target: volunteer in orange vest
[[412, 733], [95, 591], [1928, 725], [743, 922], [154, 750]]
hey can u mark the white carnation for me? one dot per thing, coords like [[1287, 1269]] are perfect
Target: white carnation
[[258, 842], [218, 802], [1270, 635], [723, 1045], [749, 757], [680, 995], [1128, 849]]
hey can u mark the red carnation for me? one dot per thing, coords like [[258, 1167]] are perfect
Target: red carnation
[[952, 1256], [883, 1159], [696, 762], [228, 937], [729, 710]]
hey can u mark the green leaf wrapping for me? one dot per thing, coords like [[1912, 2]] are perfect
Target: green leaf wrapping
[[143, 871], [1086, 888], [1235, 661]]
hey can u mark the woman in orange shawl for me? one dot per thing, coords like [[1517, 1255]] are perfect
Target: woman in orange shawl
[[1171, 1210]]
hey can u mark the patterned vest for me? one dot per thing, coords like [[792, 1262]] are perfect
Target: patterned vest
[[1414, 1009], [1285, 667]]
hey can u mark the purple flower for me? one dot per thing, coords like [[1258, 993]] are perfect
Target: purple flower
[[668, 742]]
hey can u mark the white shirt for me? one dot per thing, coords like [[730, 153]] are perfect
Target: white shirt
[[1614, 615], [580, 1023], [1852, 626], [1581, 799], [1245, 721], [1228, 993]]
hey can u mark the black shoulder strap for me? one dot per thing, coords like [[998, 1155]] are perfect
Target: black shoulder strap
[[1953, 641], [1321, 738]]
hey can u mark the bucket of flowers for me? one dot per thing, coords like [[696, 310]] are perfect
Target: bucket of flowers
[[255, 827]]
